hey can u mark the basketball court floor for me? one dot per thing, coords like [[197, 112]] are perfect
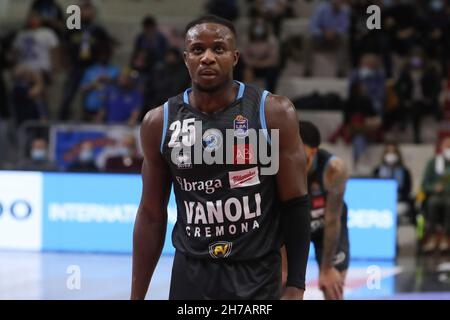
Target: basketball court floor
[[68, 276]]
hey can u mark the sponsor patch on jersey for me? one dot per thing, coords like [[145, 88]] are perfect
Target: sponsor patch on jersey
[[220, 249], [183, 161], [244, 178], [318, 202], [243, 154], [240, 125], [212, 140]]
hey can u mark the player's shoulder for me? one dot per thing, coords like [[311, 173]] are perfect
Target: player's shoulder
[[153, 120], [336, 166], [279, 110]]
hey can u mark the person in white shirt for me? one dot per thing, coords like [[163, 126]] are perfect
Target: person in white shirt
[[35, 46]]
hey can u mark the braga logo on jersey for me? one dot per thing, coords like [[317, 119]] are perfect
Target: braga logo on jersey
[[240, 125], [244, 178], [221, 249], [209, 186]]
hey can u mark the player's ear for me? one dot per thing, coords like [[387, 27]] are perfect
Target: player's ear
[[236, 58], [314, 151], [185, 57]]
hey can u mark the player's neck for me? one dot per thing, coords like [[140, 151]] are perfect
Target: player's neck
[[210, 102]]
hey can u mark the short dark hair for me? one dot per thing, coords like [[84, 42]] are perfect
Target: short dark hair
[[210, 19], [149, 22], [310, 134]]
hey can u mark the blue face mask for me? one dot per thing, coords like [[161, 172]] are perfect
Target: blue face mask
[[38, 154], [86, 155], [365, 72]]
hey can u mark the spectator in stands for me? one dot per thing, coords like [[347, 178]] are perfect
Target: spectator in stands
[[35, 47], [418, 88], [5, 112], [392, 167], [129, 161], [51, 13], [86, 159], [227, 9], [361, 122], [171, 78], [434, 28], [364, 40], [95, 82], [273, 11], [79, 47], [400, 20], [436, 184], [261, 53], [123, 100], [371, 76], [148, 51], [328, 30], [28, 95], [38, 158], [149, 47]]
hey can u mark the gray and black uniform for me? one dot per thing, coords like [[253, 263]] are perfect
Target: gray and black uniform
[[318, 196], [227, 235]]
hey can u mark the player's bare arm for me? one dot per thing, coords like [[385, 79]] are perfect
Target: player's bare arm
[[291, 184], [151, 220], [335, 178]]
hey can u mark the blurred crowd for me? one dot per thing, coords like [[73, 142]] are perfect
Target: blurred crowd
[[396, 75]]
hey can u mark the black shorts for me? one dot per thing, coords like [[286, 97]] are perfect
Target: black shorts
[[342, 256], [207, 279]]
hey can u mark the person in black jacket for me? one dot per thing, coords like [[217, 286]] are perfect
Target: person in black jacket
[[392, 167], [418, 87]]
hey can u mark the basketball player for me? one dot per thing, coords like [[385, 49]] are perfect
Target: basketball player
[[231, 219], [327, 177]]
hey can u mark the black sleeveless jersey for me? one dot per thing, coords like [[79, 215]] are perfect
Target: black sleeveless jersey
[[318, 193], [226, 209]]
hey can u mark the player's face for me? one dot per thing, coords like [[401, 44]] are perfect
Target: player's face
[[210, 55], [310, 154]]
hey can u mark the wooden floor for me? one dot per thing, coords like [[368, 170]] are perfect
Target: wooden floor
[[26, 275]]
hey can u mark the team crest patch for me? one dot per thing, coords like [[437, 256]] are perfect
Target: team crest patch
[[220, 249], [240, 125], [212, 140]]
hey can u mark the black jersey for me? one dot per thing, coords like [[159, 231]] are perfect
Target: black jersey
[[229, 209]]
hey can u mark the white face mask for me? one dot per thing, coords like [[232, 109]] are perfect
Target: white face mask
[[391, 158], [365, 72], [38, 154], [446, 154]]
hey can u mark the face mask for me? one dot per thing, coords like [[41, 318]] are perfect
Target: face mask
[[391, 158], [446, 154], [436, 5], [365, 72], [38, 154], [416, 62], [86, 155]]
